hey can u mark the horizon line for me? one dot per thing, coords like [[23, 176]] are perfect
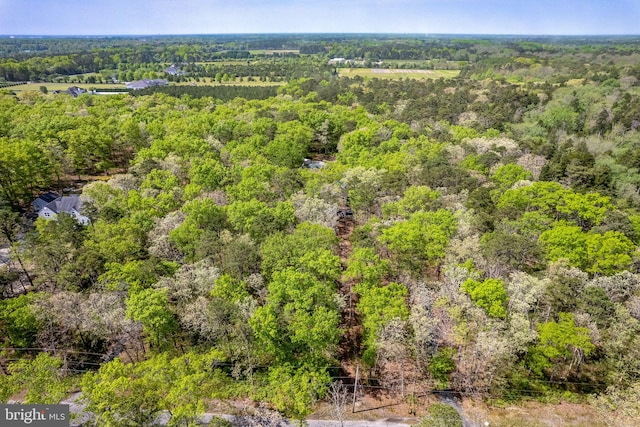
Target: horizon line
[[16, 35]]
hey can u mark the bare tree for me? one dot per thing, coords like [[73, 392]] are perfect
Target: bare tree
[[10, 227], [339, 397], [394, 356], [159, 244]]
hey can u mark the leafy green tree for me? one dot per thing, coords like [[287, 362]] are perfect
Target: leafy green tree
[[416, 198], [88, 151], [19, 322], [551, 199], [378, 306], [300, 319], [564, 286], [208, 173], [506, 175], [441, 365], [365, 266], [120, 242], [9, 228], [25, 168], [543, 196], [103, 201], [585, 209], [135, 274], [596, 303], [238, 256], [363, 186], [258, 220], [54, 244], [609, 253], [512, 250], [41, 378], [566, 242], [560, 343], [125, 394], [489, 294], [323, 264], [606, 253], [290, 144], [560, 117], [150, 307], [421, 240], [294, 391], [280, 250]]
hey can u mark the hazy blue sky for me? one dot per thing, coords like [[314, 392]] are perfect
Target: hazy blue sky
[[54, 17]]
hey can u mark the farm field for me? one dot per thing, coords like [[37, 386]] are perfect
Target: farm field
[[101, 86], [208, 81], [273, 52], [386, 73], [421, 63], [64, 86]]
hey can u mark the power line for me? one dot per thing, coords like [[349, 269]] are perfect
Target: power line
[[50, 350]]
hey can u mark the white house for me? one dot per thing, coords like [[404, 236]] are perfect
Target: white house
[[67, 204], [173, 70], [43, 201], [145, 83]]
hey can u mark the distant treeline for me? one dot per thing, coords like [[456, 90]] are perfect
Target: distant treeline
[[224, 93], [34, 59]]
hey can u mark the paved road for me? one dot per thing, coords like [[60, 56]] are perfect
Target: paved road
[[82, 417], [328, 423]]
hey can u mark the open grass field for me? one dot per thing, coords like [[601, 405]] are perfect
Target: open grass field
[[208, 81], [64, 86], [224, 62], [98, 86], [426, 63], [386, 73], [273, 52]]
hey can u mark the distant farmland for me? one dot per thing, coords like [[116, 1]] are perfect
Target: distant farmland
[[388, 73]]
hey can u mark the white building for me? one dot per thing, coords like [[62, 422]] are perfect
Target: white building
[[145, 83], [68, 204]]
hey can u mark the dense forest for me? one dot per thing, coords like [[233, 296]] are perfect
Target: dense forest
[[477, 234]]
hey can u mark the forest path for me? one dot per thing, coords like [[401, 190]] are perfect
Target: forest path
[[352, 337]]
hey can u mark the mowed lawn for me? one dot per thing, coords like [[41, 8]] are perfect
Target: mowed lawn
[[64, 86], [208, 81], [101, 86], [397, 73]]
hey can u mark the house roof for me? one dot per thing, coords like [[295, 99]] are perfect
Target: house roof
[[48, 197], [140, 84], [173, 70], [75, 91], [65, 204], [311, 164], [144, 83]]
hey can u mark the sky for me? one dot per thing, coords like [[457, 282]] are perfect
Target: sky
[[123, 17]]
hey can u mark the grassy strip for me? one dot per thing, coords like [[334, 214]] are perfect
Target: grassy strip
[[385, 73], [64, 86]]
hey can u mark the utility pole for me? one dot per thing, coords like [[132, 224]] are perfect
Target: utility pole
[[355, 389]]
